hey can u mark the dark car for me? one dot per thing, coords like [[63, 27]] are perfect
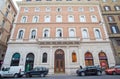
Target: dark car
[[113, 70], [40, 71], [89, 70]]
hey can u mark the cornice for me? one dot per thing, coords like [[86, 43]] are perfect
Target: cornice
[[59, 3]]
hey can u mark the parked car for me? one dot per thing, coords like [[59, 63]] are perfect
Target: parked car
[[113, 70], [89, 70], [40, 71], [13, 71]]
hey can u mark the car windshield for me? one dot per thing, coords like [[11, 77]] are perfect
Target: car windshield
[[111, 67]]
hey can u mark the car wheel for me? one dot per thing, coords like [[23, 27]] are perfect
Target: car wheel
[[82, 74], [42, 75], [98, 73], [16, 76], [114, 73]]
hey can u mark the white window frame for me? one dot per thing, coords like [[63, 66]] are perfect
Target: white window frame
[[48, 32], [87, 33], [22, 21], [48, 9], [25, 9], [47, 19], [31, 34], [34, 19], [94, 19], [82, 19], [91, 9], [18, 34], [74, 35], [70, 19], [57, 32], [96, 37], [37, 9], [70, 9], [58, 19], [81, 9]]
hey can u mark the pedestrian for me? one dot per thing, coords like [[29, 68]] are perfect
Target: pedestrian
[[80, 67]]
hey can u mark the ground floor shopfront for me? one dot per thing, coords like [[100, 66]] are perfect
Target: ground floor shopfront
[[59, 58]]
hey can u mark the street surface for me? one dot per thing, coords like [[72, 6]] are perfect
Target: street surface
[[72, 77]]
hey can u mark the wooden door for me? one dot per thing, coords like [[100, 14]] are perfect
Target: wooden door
[[59, 61]]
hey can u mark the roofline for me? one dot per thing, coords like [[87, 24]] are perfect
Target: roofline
[[11, 1]]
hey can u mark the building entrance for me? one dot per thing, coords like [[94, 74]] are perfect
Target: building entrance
[[59, 61]]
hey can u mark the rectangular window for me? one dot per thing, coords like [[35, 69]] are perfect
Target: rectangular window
[[117, 8], [91, 9], [114, 28], [107, 8], [25, 9], [110, 18], [37, 9]]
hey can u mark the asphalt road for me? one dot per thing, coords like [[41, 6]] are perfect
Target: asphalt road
[[72, 77]]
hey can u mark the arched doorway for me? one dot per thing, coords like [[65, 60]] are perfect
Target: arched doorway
[[15, 59], [89, 59], [29, 62], [59, 64], [103, 60]]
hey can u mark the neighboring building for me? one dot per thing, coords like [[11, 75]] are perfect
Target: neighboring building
[[60, 35], [7, 16], [111, 14]]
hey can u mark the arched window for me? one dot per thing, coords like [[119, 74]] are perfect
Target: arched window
[[74, 57], [44, 60], [29, 62], [47, 18], [88, 59], [24, 19], [94, 18], [20, 35], [103, 60], [46, 32], [59, 33], [70, 18], [97, 34], [84, 33], [58, 18], [15, 59], [33, 34], [35, 19], [72, 33], [82, 19]]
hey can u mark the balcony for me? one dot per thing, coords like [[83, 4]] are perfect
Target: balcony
[[49, 41], [59, 40]]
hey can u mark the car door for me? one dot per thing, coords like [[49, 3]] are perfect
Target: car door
[[6, 72], [118, 69], [87, 71]]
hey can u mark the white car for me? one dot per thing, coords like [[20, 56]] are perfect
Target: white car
[[13, 71]]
